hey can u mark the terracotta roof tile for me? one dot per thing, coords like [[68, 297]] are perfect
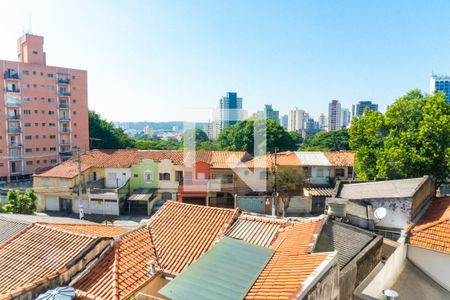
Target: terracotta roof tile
[[341, 158], [284, 159], [39, 253], [433, 229], [90, 229], [291, 265], [181, 234]]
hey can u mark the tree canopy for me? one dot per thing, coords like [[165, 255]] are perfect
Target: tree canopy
[[411, 140], [290, 183], [240, 137], [105, 136], [189, 135], [20, 203], [327, 141]]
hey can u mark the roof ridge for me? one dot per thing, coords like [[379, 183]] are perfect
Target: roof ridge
[[427, 226], [48, 225], [115, 271]]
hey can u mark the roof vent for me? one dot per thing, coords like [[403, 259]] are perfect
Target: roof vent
[[390, 294]]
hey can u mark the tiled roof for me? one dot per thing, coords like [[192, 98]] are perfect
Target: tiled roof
[[347, 240], [312, 158], [256, 230], [285, 274], [90, 229], [36, 255], [433, 229], [341, 158], [10, 227], [226, 159], [181, 234], [283, 159]]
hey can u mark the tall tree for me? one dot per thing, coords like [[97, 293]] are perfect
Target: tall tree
[[189, 135], [290, 183], [105, 136], [327, 141], [240, 136], [411, 140]]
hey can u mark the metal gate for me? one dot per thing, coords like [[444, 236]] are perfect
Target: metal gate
[[254, 204]]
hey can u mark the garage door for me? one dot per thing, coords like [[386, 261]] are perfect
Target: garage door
[[52, 203], [104, 207]]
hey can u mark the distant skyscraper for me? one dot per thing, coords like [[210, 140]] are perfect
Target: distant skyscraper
[[439, 83], [312, 126], [358, 109], [212, 130], [296, 119], [230, 110], [323, 122], [334, 115], [345, 118], [269, 113], [284, 121]]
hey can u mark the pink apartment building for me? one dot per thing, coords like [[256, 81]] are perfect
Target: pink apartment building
[[43, 111]]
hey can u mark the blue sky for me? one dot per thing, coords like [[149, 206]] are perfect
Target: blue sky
[[156, 60]]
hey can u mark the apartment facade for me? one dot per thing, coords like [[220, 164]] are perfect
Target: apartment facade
[[44, 112], [230, 108], [296, 119], [440, 83], [334, 115], [358, 109]]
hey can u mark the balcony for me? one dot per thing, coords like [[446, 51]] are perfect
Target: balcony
[[14, 118], [15, 156], [64, 143], [14, 130], [65, 130], [63, 94], [14, 145], [64, 105], [13, 91], [63, 80], [10, 74], [13, 104], [64, 118]]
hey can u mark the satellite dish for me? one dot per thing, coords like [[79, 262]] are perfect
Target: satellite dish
[[380, 213]]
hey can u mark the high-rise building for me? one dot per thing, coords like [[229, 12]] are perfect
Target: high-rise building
[[296, 119], [440, 83], [212, 130], [269, 113], [360, 107], [323, 122], [230, 110], [311, 126], [44, 114], [334, 115], [284, 121], [345, 118]]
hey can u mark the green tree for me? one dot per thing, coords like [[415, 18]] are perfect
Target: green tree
[[105, 136], [411, 140], [290, 183], [240, 137], [21, 203], [367, 135], [169, 144], [199, 135], [327, 141]]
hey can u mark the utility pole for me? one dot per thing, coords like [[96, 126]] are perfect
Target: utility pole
[[274, 204], [77, 153]]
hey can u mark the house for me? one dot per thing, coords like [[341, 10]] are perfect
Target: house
[[358, 251], [43, 256], [418, 268], [316, 166], [402, 199], [342, 164], [145, 259]]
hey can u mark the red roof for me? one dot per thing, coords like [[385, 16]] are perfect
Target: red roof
[[433, 229], [181, 234], [292, 263], [42, 252]]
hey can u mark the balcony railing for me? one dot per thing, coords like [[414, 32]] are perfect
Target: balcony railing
[[11, 75], [14, 117], [15, 156], [16, 91], [13, 103], [64, 143], [64, 118], [14, 130], [63, 94], [15, 145], [64, 80], [64, 105]]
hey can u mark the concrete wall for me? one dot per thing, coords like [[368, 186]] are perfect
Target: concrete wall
[[388, 274], [299, 204], [327, 288], [116, 177], [398, 212], [425, 192], [433, 263]]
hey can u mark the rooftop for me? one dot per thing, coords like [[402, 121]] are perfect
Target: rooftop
[[40, 253], [341, 158], [402, 188], [312, 158], [10, 227], [433, 228]]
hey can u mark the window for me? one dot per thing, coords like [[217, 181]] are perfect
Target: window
[[63, 182], [36, 137], [53, 161], [42, 73], [179, 176], [45, 181], [319, 172], [350, 172], [25, 72], [26, 99], [164, 176], [148, 176], [27, 125], [75, 136], [28, 150], [135, 175], [51, 112], [34, 72], [36, 124], [29, 163], [44, 149], [50, 87], [34, 85], [36, 111], [52, 148], [74, 100], [26, 85], [37, 149], [74, 112], [73, 77], [35, 53], [50, 75], [51, 124], [43, 124], [50, 100], [52, 137], [340, 173], [28, 137], [229, 178]]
